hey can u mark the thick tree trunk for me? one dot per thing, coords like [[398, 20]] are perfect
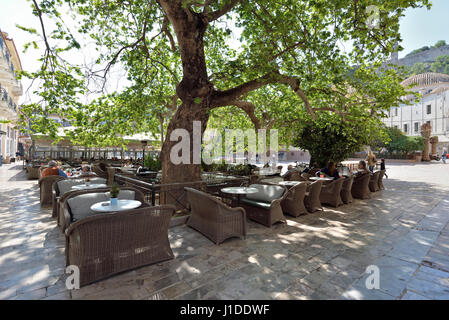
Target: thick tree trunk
[[183, 119]]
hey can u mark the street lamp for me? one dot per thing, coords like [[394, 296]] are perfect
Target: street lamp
[[144, 144]]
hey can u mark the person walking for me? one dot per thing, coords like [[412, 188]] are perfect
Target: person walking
[[444, 156], [371, 160], [382, 167]]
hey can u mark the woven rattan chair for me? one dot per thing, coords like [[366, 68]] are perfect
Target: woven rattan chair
[[293, 203], [264, 206], [312, 199], [107, 244], [58, 191], [305, 176], [100, 173], [330, 193], [380, 182], [46, 185], [345, 192], [360, 186], [295, 176], [32, 172], [66, 217], [213, 218], [374, 182]]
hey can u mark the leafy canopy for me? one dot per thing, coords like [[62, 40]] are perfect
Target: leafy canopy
[[277, 61]]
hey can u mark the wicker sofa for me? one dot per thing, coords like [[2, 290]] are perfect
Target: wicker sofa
[[64, 186], [312, 199], [265, 205], [346, 187], [213, 218], [45, 186], [106, 244], [360, 186], [76, 206], [293, 203], [330, 193]]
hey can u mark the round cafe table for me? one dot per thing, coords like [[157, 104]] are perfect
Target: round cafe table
[[289, 183], [89, 186], [239, 191], [122, 205], [319, 178]]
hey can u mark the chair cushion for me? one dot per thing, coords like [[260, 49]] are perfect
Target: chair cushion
[[259, 204], [124, 195], [266, 193], [80, 205]]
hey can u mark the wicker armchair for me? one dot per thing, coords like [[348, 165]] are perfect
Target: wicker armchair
[[374, 182], [360, 186], [305, 176], [63, 187], [345, 192], [312, 199], [264, 206], [32, 172], [292, 175], [107, 244], [46, 185], [380, 182], [293, 203], [213, 218], [100, 173], [330, 193], [67, 214]]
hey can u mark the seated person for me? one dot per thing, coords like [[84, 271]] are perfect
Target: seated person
[[312, 170], [331, 170], [362, 169], [85, 171], [53, 170], [288, 173]]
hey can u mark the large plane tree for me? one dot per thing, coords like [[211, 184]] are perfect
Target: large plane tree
[[186, 58]]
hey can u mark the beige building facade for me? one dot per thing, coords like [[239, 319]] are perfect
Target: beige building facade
[[10, 92]]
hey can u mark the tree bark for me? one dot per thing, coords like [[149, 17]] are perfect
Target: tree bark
[[194, 90], [183, 119]]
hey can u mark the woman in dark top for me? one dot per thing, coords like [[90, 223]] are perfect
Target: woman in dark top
[[382, 167], [331, 170]]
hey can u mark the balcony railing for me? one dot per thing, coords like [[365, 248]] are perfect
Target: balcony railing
[[7, 99]]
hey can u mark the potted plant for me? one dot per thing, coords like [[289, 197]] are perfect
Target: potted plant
[[87, 180], [115, 190]]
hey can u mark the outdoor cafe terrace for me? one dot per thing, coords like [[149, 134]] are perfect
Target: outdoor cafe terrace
[[317, 250]]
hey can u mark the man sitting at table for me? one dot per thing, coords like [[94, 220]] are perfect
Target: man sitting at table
[[289, 172], [362, 169], [53, 170], [331, 170]]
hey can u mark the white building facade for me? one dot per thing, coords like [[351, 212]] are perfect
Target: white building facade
[[10, 92], [432, 108]]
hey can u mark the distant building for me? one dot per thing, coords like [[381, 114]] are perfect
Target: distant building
[[433, 108], [10, 92]]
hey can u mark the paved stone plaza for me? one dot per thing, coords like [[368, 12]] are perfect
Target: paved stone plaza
[[403, 230]]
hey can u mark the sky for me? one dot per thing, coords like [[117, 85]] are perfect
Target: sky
[[419, 27]]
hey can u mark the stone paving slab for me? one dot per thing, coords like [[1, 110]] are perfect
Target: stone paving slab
[[403, 230]]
